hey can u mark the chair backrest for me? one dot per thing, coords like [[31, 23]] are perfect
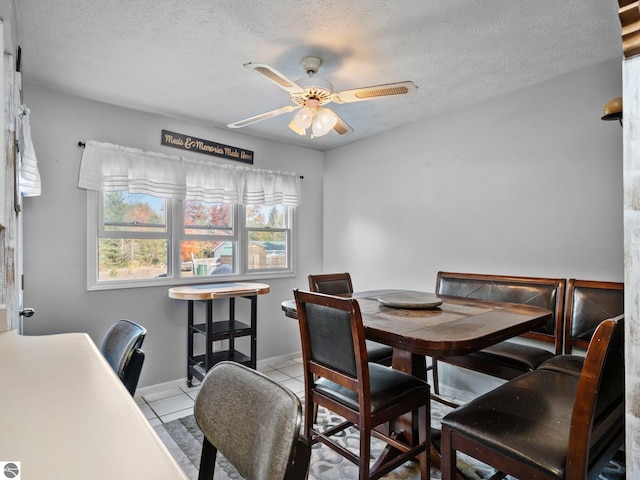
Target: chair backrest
[[121, 346], [331, 283], [589, 303], [254, 422], [333, 341], [597, 422], [540, 292]]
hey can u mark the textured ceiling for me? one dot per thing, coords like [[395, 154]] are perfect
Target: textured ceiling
[[185, 58]]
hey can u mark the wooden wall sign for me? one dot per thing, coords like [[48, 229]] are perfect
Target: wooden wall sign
[[193, 144]]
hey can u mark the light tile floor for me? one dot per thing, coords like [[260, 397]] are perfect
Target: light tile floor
[[176, 403]]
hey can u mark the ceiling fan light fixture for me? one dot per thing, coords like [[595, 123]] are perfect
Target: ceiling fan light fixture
[[297, 128], [304, 117], [324, 121]]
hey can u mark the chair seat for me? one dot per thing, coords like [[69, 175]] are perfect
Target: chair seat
[[539, 403], [388, 387], [379, 352], [513, 355], [568, 364]]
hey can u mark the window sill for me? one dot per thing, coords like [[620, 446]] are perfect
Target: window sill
[[203, 279]]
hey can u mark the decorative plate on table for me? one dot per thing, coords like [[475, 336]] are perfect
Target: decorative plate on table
[[411, 300]]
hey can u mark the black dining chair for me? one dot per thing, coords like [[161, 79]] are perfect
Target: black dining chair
[[121, 347], [547, 424], [339, 377], [253, 422], [339, 284]]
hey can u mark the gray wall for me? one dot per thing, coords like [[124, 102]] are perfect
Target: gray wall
[[528, 183], [55, 232]]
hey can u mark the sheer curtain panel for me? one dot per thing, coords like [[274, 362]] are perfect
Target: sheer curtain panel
[[30, 184]]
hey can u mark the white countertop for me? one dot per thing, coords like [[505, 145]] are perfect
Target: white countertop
[[64, 414]]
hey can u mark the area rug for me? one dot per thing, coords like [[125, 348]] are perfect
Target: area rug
[[183, 438]]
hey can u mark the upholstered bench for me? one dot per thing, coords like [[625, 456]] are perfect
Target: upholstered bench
[[509, 359]]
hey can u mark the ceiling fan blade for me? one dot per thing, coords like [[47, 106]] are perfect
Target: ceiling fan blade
[[341, 127], [373, 92], [264, 116], [275, 76]]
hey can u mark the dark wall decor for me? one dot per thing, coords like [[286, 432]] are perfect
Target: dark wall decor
[[193, 144]]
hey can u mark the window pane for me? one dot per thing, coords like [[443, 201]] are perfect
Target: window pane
[[262, 216], [133, 212], [204, 218], [131, 258], [207, 258], [267, 250]]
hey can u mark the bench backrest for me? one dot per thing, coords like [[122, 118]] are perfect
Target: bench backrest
[[589, 303], [540, 292]]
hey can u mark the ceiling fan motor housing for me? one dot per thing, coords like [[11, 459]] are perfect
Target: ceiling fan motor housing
[[316, 88]]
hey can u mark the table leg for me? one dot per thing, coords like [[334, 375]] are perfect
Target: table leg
[[254, 331], [232, 325], [415, 365], [189, 342], [208, 355]]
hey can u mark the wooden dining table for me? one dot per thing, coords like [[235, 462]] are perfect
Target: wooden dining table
[[457, 326]]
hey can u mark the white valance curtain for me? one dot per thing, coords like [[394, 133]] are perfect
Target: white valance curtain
[[109, 167]]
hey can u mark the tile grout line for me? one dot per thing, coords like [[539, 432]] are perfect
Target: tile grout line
[[142, 402]]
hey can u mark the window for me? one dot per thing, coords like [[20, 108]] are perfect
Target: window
[[143, 240], [208, 242], [134, 239], [267, 237], [155, 219]]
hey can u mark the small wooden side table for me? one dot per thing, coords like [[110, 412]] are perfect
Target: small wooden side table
[[225, 329]]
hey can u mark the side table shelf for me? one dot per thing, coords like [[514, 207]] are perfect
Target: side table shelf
[[226, 330], [221, 330]]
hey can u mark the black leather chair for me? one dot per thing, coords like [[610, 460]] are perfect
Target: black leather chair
[[547, 424], [509, 359], [253, 421], [339, 377], [121, 346], [589, 302], [339, 284]]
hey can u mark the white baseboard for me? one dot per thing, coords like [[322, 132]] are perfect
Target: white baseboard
[[263, 364], [162, 387], [182, 382]]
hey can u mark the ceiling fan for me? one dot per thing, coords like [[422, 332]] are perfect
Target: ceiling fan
[[309, 95]]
